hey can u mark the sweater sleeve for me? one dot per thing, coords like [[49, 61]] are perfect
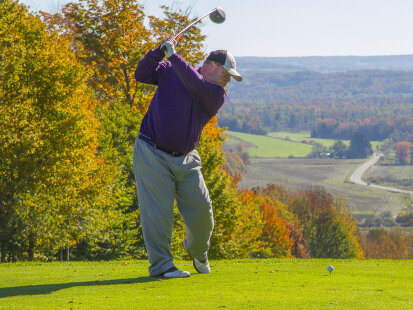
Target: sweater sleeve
[[210, 96], [149, 67]]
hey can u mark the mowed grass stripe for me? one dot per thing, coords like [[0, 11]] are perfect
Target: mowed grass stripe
[[233, 284], [306, 135], [272, 147]]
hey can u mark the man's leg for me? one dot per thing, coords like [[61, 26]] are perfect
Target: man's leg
[[156, 187], [195, 206]]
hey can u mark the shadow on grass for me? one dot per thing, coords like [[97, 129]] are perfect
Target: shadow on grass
[[49, 288]]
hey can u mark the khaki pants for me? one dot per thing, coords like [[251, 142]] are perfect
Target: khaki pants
[[161, 178]]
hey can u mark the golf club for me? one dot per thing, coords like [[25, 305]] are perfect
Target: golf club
[[217, 16]]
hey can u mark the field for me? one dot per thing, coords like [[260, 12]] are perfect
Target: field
[[236, 284], [281, 144], [271, 147], [391, 175], [303, 136], [270, 164], [333, 174]]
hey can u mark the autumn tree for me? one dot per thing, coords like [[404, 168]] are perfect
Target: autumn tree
[[328, 228], [281, 234], [393, 244], [402, 150], [110, 37], [190, 43], [54, 186]]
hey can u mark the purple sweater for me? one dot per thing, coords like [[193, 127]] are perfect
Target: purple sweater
[[183, 103]]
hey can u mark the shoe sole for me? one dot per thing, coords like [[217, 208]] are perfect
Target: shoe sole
[[176, 277]]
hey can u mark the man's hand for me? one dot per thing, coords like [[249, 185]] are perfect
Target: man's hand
[[168, 47]]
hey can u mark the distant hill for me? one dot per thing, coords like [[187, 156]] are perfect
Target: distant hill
[[304, 86], [293, 93], [325, 63]]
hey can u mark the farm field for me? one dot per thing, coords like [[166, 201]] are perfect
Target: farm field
[[234, 284], [305, 135], [333, 174], [276, 144], [270, 164], [391, 175], [266, 146]]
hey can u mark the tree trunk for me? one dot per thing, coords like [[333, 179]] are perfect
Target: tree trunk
[[30, 251], [68, 253], [127, 88], [3, 252], [61, 243]]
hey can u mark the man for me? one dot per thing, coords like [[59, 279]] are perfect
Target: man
[[166, 164]]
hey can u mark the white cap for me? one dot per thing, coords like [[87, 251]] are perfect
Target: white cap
[[225, 58]]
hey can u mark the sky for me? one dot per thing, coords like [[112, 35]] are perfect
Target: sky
[[286, 28]]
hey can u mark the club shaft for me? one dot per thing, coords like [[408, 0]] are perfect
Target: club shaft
[[191, 24]]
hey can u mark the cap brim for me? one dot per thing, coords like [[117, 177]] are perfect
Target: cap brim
[[234, 74]]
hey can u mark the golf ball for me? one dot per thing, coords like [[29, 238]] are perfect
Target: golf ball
[[330, 268]]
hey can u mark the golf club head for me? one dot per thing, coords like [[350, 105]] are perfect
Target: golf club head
[[217, 16]]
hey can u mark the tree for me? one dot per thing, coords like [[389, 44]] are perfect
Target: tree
[[319, 150], [402, 150], [328, 227], [54, 185], [360, 146], [339, 149], [190, 44], [395, 244], [109, 37]]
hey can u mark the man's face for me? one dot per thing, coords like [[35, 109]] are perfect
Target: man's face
[[215, 73]]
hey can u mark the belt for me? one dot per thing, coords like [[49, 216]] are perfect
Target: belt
[[151, 143]]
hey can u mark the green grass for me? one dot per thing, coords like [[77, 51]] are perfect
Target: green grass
[[304, 136], [237, 284], [275, 145], [271, 147]]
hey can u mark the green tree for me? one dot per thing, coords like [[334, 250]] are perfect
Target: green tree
[[328, 227], [320, 149], [54, 186], [339, 149], [360, 146]]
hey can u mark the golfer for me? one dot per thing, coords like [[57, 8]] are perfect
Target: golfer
[[166, 164]]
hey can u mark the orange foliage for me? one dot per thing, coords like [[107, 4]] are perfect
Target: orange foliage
[[275, 232], [277, 237], [389, 245], [402, 150], [316, 217]]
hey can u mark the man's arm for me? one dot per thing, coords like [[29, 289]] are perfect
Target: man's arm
[[210, 96], [148, 68]]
